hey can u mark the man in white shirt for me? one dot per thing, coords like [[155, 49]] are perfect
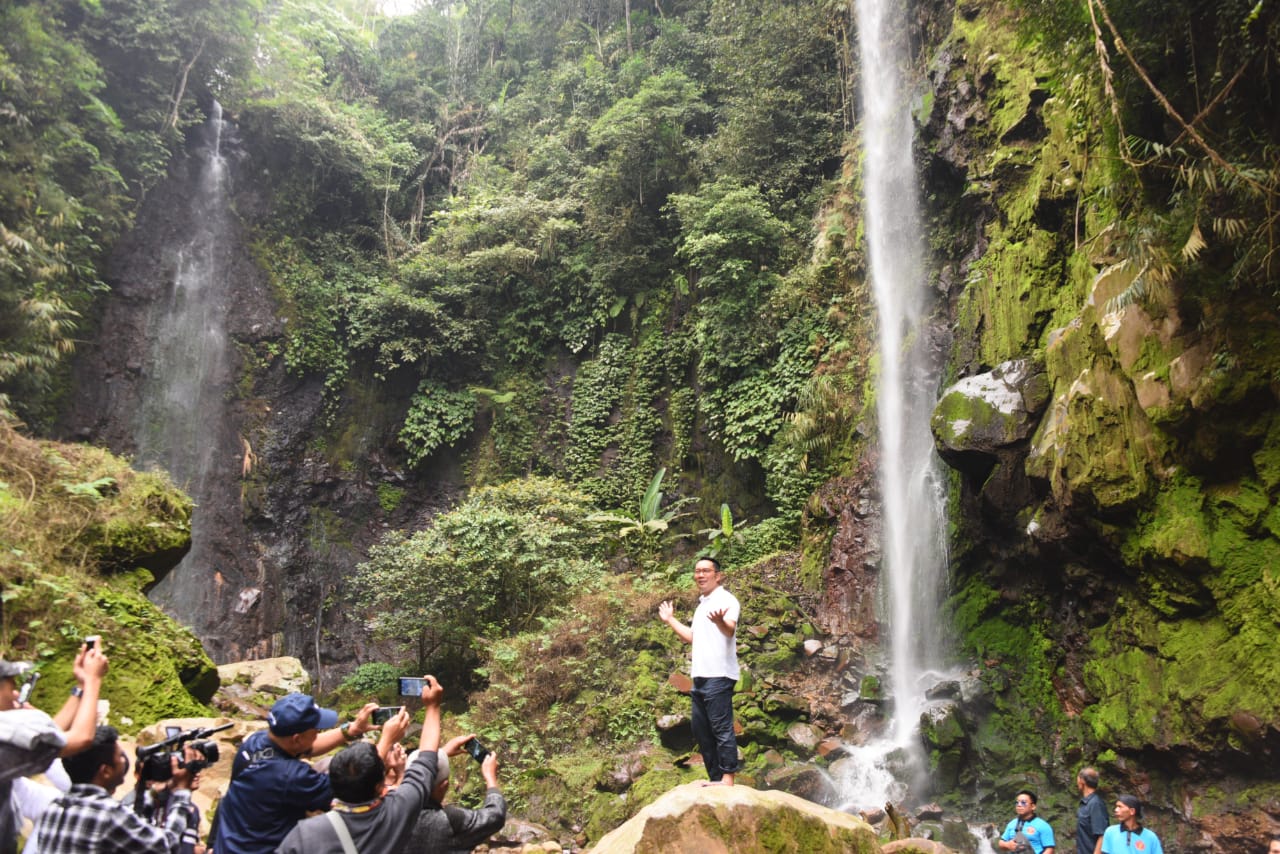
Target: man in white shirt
[[714, 668]]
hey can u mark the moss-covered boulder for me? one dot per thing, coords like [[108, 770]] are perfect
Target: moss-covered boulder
[[80, 535], [990, 411], [738, 819]]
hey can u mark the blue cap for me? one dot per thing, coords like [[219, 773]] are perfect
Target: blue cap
[[295, 713]]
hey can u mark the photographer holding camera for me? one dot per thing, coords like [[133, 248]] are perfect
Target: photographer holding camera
[[445, 827], [88, 820], [183, 755]]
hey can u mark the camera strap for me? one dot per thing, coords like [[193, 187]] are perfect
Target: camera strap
[[344, 835]]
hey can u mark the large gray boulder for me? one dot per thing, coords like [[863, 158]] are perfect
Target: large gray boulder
[[729, 819], [986, 413]]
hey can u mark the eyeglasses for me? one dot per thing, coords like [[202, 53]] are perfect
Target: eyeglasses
[[1023, 802]]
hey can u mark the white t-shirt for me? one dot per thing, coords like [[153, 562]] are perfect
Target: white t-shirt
[[713, 653]]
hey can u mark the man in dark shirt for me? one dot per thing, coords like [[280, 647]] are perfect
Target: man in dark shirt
[[364, 814], [1091, 815], [272, 789], [447, 828]]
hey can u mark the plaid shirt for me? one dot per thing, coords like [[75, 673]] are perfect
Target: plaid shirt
[[87, 820]]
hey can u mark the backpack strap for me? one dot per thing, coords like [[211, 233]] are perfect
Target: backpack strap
[[340, 828]]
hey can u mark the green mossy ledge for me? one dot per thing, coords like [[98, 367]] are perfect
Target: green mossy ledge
[[81, 547], [158, 668]]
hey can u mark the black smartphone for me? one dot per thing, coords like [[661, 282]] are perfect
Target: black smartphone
[[475, 748], [382, 714], [411, 686], [91, 641]]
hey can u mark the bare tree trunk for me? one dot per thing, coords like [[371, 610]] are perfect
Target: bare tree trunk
[[181, 87], [627, 5]]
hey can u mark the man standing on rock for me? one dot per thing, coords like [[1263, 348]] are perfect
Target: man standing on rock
[[1091, 815], [714, 668]]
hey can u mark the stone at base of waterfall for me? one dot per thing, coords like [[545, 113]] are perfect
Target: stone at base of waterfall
[[730, 819], [275, 676], [805, 781], [915, 846]]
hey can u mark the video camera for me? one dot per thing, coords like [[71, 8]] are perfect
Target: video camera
[[154, 760]]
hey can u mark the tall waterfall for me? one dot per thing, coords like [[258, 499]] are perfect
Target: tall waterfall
[[181, 423], [913, 567]]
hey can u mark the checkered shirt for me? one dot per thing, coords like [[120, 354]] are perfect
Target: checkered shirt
[[87, 820]]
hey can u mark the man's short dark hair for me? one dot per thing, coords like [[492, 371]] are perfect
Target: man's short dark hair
[[82, 767], [1030, 795], [354, 774], [709, 560], [1089, 777]]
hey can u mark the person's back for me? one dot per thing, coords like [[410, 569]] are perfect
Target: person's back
[[376, 825], [270, 792], [448, 828], [364, 816]]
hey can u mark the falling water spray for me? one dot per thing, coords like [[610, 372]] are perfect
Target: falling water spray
[[913, 567]]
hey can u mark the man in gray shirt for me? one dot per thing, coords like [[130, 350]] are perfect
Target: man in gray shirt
[[364, 818], [446, 828]]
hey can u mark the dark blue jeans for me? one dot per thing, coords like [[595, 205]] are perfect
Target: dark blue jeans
[[713, 725]]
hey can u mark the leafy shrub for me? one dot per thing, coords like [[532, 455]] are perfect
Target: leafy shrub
[[437, 418], [496, 563], [371, 678]]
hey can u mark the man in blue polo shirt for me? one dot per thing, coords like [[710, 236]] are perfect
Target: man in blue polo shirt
[[1027, 832], [272, 789]]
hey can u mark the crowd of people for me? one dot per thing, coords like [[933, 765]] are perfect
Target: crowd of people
[[372, 797]]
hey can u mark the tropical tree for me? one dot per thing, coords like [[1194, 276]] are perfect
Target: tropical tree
[[495, 564]]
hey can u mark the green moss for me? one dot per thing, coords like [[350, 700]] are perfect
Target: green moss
[[389, 497], [1176, 528]]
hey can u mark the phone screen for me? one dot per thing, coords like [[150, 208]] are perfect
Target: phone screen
[[476, 749], [382, 714], [411, 686]]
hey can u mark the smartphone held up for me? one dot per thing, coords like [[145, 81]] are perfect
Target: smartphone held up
[[477, 750], [411, 686], [383, 714]]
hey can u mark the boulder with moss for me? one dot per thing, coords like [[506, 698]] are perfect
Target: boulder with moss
[[695, 817], [84, 536]]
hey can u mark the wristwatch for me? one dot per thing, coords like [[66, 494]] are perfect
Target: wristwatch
[[347, 734], [77, 691]]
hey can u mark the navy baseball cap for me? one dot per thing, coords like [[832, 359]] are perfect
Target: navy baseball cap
[[295, 713]]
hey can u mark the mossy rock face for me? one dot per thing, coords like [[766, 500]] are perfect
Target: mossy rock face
[[158, 668], [83, 541], [1095, 442], [151, 529]]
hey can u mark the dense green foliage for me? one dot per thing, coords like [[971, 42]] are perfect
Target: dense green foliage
[[581, 240], [496, 563]]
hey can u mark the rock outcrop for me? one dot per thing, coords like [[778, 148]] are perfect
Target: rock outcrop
[[696, 818]]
